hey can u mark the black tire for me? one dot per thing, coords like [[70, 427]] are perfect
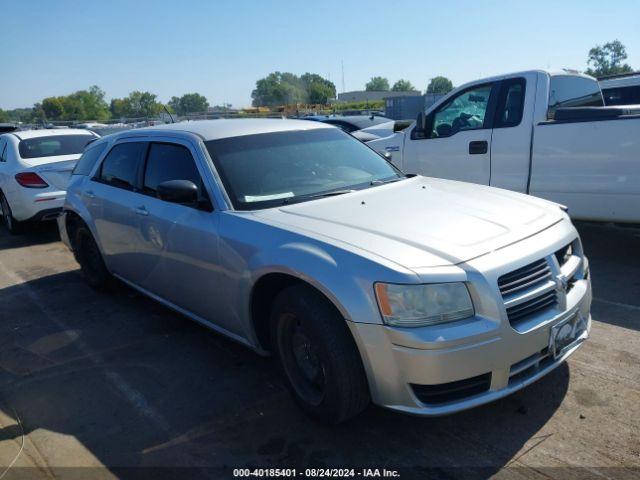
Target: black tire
[[13, 226], [318, 356], [90, 259]]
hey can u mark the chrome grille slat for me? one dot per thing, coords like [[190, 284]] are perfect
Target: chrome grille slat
[[515, 299], [524, 277], [529, 280], [532, 306], [528, 290], [507, 277]]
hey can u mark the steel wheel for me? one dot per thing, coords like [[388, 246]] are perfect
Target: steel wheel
[[301, 360]]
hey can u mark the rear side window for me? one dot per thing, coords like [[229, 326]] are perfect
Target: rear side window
[[3, 150], [88, 160], [572, 91], [120, 166], [510, 103], [169, 162], [54, 145]]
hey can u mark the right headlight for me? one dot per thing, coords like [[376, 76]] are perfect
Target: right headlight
[[421, 305]]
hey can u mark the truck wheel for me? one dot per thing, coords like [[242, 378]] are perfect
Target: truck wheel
[[90, 259], [319, 359], [13, 226]]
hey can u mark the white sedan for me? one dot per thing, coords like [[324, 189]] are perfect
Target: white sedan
[[35, 166]]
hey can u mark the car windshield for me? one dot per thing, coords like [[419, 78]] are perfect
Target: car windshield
[[270, 169], [54, 145]]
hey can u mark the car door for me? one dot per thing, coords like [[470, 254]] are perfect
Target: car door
[[456, 143], [512, 130], [111, 197], [178, 244]]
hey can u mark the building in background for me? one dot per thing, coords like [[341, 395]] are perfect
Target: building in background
[[371, 96], [408, 107]]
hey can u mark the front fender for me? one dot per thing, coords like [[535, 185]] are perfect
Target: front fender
[[393, 145]]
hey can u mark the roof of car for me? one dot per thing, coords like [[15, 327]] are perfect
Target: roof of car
[[358, 120], [25, 134], [225, 128]]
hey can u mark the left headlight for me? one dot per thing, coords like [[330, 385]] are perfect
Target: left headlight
[[421, 305]]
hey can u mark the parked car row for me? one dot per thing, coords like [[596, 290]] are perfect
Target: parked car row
[[423, 295]]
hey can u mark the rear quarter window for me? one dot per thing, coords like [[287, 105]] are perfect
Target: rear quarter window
[[573, 91], [88, 160]]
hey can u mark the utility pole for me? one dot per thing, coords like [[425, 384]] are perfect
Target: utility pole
[[342, 76]]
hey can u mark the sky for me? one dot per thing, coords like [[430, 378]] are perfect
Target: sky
[[220, 48]]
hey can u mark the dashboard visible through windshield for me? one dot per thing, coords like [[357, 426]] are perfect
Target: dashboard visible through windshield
[[271, 169]]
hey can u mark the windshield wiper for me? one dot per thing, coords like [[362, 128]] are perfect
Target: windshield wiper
[[391, 180], [331, 193]]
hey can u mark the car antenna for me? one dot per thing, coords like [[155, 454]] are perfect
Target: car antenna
[[168, 113]]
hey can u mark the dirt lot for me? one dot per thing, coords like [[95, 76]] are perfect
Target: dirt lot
[[92, 384]]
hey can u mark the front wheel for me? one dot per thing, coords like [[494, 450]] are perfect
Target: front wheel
[[318, 356]]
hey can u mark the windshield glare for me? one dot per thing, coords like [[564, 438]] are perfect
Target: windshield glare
[[270, 169]]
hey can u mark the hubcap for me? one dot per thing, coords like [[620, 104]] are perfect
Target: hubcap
[[302, 362], [305, 355]]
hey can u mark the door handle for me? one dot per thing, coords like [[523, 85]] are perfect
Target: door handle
[[141, 211], [89, 194], [478, 147]]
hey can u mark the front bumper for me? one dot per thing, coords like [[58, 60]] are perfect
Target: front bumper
[[480, 359]]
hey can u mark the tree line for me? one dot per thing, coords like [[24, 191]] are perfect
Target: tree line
[[91, 104], [277, 88]]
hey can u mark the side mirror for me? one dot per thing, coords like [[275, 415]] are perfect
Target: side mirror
[[421, 126], [183, 192]]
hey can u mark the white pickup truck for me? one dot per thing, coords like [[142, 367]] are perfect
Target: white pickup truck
[[546, 134]]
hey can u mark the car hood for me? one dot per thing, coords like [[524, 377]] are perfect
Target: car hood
[[420, 222]]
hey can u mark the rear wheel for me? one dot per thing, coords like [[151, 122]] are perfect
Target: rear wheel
[[319, 359], [7, 216], [90, 259]]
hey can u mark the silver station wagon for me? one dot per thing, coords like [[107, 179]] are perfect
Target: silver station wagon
[[423, 295]]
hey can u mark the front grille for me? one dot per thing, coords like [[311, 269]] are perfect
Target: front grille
[[452, 391], [524, 278], [527, 290]]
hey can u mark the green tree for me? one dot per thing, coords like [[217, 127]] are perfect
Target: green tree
[[402, 86], [137, 104], [377, 84], [53, 108], [92, 104], [188, 103], [4, 116], [607, 59], [440, 85], [319, 90], [278, 88]]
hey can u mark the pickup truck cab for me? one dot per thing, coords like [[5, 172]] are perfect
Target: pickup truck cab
[[536, 132]]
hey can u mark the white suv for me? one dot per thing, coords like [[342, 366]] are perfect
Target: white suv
[[35, 167]]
